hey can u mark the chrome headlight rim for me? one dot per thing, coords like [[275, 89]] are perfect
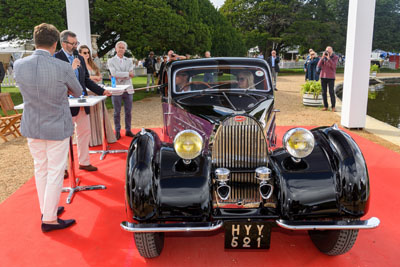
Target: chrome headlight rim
[[293, 152], [192, 132]]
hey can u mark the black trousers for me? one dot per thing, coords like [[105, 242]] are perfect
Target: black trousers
[[331, 84]]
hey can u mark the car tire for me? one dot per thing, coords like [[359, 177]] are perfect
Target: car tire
[[333, 242], [149, 245]]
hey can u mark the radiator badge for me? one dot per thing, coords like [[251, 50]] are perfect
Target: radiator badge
[[239, 118]]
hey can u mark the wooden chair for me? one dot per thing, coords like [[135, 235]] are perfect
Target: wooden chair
[[9, 123]]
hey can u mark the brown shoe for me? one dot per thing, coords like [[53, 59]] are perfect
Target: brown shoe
[[324, 109], [66, 174], [333, 109], [89, 168]]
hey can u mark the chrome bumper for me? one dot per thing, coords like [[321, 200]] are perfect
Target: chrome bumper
[[171, 227], [291, 225], [329, 225]]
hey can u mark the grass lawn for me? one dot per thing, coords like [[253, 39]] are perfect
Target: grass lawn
[[138, 82]]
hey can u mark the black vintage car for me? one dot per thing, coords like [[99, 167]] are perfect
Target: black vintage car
[[217, 165]]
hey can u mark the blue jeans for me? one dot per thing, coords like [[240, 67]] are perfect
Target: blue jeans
[[117, 102]]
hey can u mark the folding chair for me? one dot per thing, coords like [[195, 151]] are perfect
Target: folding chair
[[9, 123]]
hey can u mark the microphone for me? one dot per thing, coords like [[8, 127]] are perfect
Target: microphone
[[75, 53]]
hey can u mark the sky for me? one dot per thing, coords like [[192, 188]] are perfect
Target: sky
[[217, 3]]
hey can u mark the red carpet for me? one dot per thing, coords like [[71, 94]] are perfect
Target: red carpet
[[98, 240]]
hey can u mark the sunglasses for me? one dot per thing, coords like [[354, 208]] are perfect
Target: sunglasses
[[86, 53], [241, 79], [182, 74], [73, 44]]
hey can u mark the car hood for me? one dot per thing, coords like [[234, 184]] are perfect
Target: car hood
[[216, 107]]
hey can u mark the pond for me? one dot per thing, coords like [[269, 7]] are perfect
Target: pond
[[384, 103]]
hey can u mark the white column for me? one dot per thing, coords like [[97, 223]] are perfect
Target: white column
[[360, 28], [79, 20]]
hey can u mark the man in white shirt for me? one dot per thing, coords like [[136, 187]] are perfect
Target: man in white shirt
[[121, 68]]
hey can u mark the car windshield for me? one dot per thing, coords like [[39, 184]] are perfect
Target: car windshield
[[215, 78]]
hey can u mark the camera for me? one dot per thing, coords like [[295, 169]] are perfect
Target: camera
[[326, 53], [173, 55]]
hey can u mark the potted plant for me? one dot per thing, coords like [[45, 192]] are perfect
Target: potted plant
[[374, 69], [311, 91]]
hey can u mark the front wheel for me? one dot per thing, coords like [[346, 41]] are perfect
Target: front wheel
[[333, 242], [149, 245]]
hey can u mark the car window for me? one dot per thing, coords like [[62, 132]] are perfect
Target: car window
[[211, 78]]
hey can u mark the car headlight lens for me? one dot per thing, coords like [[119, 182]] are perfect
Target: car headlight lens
[[298, 142], [188, 144]]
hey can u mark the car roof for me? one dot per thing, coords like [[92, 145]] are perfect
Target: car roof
[[178, 64]]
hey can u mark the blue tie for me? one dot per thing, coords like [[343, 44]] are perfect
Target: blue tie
[[71, 58]]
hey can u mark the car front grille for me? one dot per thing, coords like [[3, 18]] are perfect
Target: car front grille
[[240, 146]]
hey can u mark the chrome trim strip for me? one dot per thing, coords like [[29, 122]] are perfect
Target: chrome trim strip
[[329, 225], [173, 227]]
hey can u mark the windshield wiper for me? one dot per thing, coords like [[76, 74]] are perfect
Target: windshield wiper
[[229, 101], [248, 88]]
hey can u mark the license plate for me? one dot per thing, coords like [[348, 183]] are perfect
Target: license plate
[[247, 235]]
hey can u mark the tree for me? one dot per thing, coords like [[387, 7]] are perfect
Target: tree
[[262, 22], [225, 40], [386, 26], [18, 17], [144, 25], [187, 26], [319, 23]]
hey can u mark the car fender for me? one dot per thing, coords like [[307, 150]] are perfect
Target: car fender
[[141, 169], [352, 174], [332, 181]]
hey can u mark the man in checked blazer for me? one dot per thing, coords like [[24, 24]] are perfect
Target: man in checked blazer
[[121, 68], [80, 116], [45, 83]]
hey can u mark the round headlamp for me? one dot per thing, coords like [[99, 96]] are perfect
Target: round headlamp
[[298, 142], [188, 144]]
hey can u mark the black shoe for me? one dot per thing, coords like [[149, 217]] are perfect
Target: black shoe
[[89, 168], [129, 133], [66, 174], [61, 225], [118, 135], [59, 211], [276, 89]]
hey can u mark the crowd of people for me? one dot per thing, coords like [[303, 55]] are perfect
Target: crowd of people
[[48, 122], [45, 79]]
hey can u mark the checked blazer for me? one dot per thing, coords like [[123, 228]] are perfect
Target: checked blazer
[[45, 83]]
